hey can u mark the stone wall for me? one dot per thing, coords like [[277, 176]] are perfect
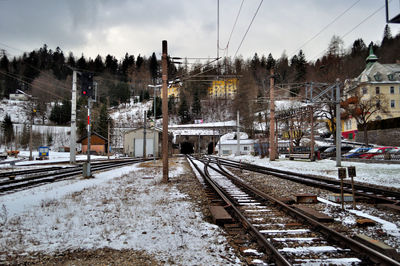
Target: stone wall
[[384, 137]]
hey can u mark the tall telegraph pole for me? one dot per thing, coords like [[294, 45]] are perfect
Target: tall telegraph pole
[[272, 119], [165, 110]]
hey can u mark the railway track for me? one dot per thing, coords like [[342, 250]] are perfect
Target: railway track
[[285, 235], [378, 195], [23, 179]]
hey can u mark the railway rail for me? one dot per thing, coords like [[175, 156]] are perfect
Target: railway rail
[[379, 195], [287, 236], [16, 180]]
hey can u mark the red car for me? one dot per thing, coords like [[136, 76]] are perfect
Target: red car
[[375, 151]]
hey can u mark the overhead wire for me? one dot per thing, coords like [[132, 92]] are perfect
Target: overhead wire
[[248, 28], [233, 28], [327, 26], [27, 83], [350, 31]]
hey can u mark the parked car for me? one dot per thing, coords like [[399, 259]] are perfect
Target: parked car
[[356, 152], [393, 154], [374, 152], [331, 151], [3, 155]]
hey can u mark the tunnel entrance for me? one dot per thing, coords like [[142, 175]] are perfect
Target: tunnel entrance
[[187, 148], [210, 148]]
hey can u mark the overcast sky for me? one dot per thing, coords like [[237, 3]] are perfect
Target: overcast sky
[[117, 27]]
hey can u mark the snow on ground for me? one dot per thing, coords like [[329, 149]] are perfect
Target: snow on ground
[[128, 208], [378, 174]]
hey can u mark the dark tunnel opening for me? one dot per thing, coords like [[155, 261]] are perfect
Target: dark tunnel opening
[[187, 148]]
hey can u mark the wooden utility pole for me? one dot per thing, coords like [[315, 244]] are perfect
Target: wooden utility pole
[[272, 119], [165, 110], [312, 144]]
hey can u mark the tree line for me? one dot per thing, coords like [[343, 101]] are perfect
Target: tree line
[[46, 75]]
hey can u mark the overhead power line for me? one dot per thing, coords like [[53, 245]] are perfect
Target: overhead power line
[[248, 28], [355, 27], [324, 28], [234, 26]]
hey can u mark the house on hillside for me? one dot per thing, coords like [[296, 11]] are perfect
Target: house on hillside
[[134, 142], [376, 80], [18, 97], [223, 88], [227, 144], [98, 144]]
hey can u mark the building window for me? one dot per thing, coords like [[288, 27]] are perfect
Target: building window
[[391, 90], [245, 148], [378, 77], [377, 90], [348, 124], [378, 104], [364, 91], [392, 104]]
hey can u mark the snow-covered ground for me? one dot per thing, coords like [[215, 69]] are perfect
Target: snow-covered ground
[[128, 208], [378, 174]]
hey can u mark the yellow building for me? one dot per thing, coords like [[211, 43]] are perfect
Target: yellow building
[[376, 79], [223, 88], [173, 90]]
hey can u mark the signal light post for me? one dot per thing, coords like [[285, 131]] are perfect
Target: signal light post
[[88, 91]]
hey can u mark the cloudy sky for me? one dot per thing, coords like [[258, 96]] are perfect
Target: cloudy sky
[[117, 27]]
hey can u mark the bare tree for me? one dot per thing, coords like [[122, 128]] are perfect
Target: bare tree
[[364, 110]]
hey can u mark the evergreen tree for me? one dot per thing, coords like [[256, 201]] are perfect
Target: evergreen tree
[[139, 62], [150, 112], [196, 107], [61, 113], [24, 140], [8, 129], [153, 67], [183, 111], [101, 127], [387, 34], [4, 66], [171, 105], [270, 62], [128, 65], [111, 64], [282, 69], [58, 68], [358, 47], [81, 63], [98, 65], [119, 93], [71, 60], [301, 67]]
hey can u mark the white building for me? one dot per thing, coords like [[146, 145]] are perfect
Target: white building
[[228, 144], [134, 142]]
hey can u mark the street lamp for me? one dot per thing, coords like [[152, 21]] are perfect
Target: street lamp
[[154, 132]]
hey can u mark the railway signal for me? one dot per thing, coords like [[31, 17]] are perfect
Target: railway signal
[[87, 84]]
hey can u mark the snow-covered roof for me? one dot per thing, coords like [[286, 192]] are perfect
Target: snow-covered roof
[[230, 138], [379, 73], [203, 125]]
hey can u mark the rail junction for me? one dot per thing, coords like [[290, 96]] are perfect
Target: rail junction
[[285, 235]]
